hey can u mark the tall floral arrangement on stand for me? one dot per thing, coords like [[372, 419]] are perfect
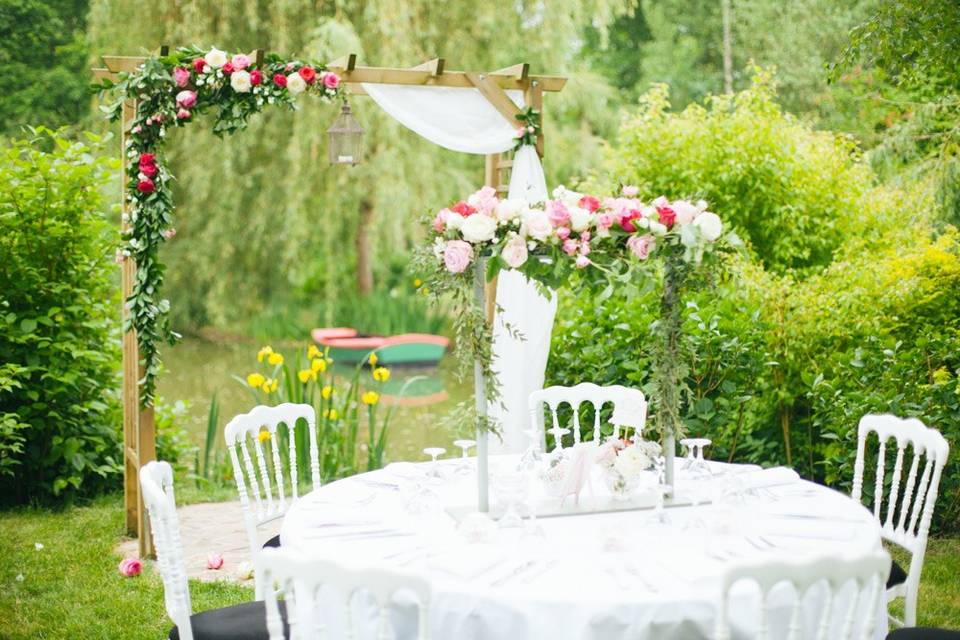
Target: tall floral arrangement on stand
[[600, 242]]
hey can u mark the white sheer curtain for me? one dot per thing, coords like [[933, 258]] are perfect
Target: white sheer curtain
[[461, 119]]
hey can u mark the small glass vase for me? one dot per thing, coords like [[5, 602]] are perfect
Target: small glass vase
[[621, 488]]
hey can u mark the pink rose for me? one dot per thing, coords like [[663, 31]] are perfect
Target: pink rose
[[187, 99], [130, 567], [667, 216], [582, 262], [256, 77], [563, 233], [183, 114], [515, 252], [240, 61], [605, 221], [626, 221], [641, 246], [631, 191], [558, 213], [457, 256], [519, 133], [199, 64], [149, 170], [589, 203], [463, 209], [169, 233], [279, 79], [570, 246], [214, 561], [146, 186], [228, 68], [181, 77], [440, 221], [485, 199], [331, 80], [309, 74]]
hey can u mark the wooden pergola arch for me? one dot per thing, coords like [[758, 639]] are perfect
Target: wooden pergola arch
[[139, 430]]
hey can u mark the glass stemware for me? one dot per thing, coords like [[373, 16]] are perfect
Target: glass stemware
[[531, 459], [695, 462], [434, 453], [464, 467], [512, 489]]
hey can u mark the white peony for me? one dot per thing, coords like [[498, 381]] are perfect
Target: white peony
[[509, 209], [215, 58], [240, 81], [454, 220], [579, 218], [296, 84], [536, 225], [686, 211], [710, 225], [478, 228]]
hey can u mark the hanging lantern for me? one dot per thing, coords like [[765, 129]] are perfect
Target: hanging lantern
[[346, 138]]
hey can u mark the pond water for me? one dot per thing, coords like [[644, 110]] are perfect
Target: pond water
[[196, 368]]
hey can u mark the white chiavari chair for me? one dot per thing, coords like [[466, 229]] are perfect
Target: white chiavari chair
[[617, 395]]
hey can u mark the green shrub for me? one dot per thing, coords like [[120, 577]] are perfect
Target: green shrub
[[58, 321]]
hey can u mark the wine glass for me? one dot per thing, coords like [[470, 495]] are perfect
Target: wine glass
[[434, 453], [531, 459], [464, 467], [694, 461], [511, 488]]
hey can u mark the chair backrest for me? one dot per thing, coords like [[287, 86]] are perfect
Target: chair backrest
[[857, 615], [156, 481], [301, 580], [574, 396], [908, 511]]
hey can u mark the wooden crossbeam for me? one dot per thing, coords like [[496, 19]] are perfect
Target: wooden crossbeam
[[496, 96], [434, 66], [346, 63], [518, 71], [419, 76]]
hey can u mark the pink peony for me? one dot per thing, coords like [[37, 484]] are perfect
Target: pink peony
[[605, 221], [146, 186], [187, 99], [183, 114], [558, 213], [563, 232], [199, 64], [256, 77], [582, 262], [641, 246], [589, 203], [214, 561], [631, 191], [181, 77], [626, 221], [240, 61], [440, 221], [331, 80], [279, 79], [668, 216], [570, 246], [130, 567], [485, 199], [457, 256], [515, 252]]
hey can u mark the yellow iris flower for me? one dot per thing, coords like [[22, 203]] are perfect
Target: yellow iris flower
[[263, 436], [331, 414], [326, 392], [370, 398], [381, 374], [306, 375], [264, 353], [319, 365], [255, 380], [373, 359], [313, 352], [275, 358]]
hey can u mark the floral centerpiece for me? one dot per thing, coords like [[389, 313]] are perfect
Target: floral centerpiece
[[623, 463]]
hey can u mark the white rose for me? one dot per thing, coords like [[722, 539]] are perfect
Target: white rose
[[515, 252], [215, 58], [658, 229], [509, 209], [240, 81], [478, 228], [710, 225], [536, 224], [579, 219], [454, 220], [296, 84]]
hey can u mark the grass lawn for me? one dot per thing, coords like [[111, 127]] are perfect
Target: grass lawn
[[71, 588]]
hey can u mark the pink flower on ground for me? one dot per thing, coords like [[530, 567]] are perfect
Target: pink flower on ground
[[558, 213], [240, 61], [457, 256], [187, 99], [214, 561], [181, 77], [183, 114], [631, 191], [570, 246], [641, 246], [330, 80], [130, 567], [582, 262], [563, 232], [440, 221], [169, 233], [199, 64], [589, 203]]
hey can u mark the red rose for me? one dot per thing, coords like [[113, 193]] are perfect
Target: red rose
[[149, 170], [309, 74], [626, 221], [463, 209], [146, 186], [280, 80], [589, 203], [199, 64], [667, 216], [227, 68], [148, 158], [256, 77]]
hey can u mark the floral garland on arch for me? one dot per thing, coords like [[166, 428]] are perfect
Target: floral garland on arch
[[171, 91], [599, 242]]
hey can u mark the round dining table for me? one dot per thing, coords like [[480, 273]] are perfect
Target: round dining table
[[634, 574]]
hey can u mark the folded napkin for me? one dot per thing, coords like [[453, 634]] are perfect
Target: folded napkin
[[469, 561], [768, 478]]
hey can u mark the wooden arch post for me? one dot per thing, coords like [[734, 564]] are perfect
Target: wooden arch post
[[139, 436]]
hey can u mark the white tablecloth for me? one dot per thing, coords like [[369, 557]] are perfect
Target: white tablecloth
[[604, 576]]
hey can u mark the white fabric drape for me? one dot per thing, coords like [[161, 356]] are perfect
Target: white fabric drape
[[461, 119]]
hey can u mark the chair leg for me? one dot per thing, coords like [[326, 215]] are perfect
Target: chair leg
[[910, 606], [259, 591]]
